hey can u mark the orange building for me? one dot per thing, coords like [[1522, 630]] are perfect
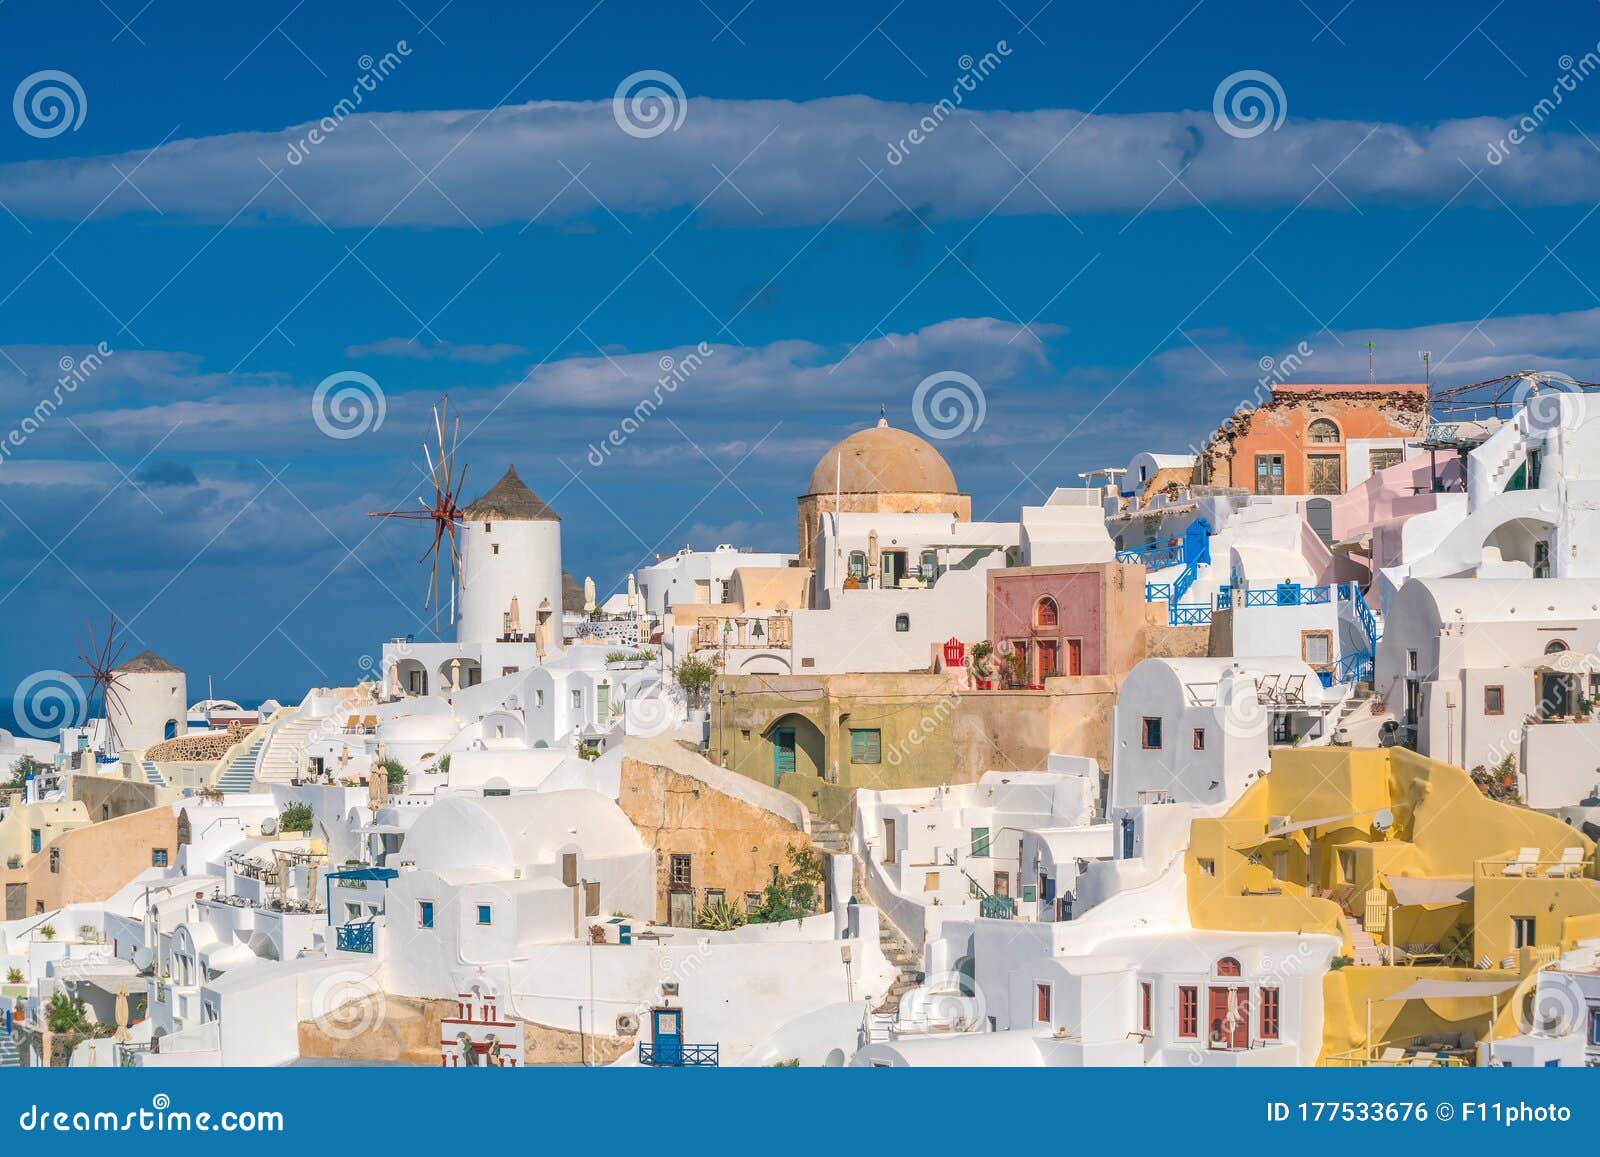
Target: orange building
[[1314, 439]]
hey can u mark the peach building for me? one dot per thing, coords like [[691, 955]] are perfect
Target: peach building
[[1315, 439]]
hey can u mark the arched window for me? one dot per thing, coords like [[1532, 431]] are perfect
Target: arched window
[[902, 623], [1554, 647], [1322, 431], [1228, 966], [1044, 612]]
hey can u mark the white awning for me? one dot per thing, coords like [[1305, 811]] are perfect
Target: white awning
[[1566, 663], [1452, 990], [1304, 825], [1409, 890]]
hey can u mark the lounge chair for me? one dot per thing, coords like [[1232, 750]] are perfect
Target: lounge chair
[[1423, 1060], [1525, 863], [1392, 1055], [1571, 864], [1267, 689], [352, 724], [1294, 691], [369, 723]]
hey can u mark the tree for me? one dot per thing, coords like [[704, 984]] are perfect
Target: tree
[[694, 676], [66, 1014], [794, 894], [22, 769], [295, 818], [393, 770]]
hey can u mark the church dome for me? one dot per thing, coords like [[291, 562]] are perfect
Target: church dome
[[883, 460]]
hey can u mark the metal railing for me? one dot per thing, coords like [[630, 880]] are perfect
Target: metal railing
[[679, 1056], [355, 937]]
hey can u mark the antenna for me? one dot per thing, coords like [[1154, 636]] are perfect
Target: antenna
[[1371, 347], [1427, 366]]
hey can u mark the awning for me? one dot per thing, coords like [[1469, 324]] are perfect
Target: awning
[[381, 830], [1303, 825], [1411, 890], [1566, 663], [1452, 990]]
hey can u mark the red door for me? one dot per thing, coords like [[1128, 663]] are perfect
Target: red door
[[1074, 657], [1228, 1021]]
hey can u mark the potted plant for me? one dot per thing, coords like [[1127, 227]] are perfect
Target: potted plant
[[982, 671], [13, 976], [295, 818], [48, 931]]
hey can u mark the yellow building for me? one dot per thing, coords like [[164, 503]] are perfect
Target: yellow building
[[1421, 876]]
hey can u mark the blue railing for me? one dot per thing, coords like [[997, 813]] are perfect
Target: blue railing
[[355, 937], [1368, 620], [1355, 667], [1154, 555], [1287, 595], [679, 1056], [1191, 615], [993, 907]]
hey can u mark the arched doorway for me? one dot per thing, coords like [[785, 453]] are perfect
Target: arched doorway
[[412, 677], [797, 747]]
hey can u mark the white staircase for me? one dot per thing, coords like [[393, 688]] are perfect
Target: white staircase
[[151, 773], [282, 758], [1362, 946], [237, 777]]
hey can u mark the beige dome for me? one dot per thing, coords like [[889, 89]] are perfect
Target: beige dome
[[883, 460]]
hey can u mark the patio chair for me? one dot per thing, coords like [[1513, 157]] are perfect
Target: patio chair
[[352, 724], [369, 723], [1571, 864], [1424, 1060], [1294, 691], [1392, 1055], [1484, 963], [1525, 863], [1267, 689]]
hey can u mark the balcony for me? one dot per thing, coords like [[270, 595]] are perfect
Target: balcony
[[678, 1056], [355, 937]]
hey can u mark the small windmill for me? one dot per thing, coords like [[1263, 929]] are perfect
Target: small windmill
[[100, 659], [444, 511]]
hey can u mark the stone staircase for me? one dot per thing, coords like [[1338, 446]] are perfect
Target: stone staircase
[[827, 836], [286, 744], [906, 960], [152, 774], [1362, 946], [8, 1052]]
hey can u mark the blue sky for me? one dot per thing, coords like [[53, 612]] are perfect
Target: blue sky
[[1083, 238]]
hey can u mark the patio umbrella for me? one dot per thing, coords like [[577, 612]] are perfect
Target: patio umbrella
[[122, 1014]]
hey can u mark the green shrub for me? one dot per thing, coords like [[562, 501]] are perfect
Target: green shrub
[[295, 818]]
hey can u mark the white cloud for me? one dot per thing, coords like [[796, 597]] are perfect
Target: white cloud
[[447, 351], [799, 162]]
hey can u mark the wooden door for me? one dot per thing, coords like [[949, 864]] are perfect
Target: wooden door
[[1074, 657], [1269, 473], [782, 753], [1325, 474], [1002, 883], [1047, 661], [1227, 1030], [680, 909]]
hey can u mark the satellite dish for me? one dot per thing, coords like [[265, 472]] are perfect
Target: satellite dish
[[1383, 821], [269, 826]]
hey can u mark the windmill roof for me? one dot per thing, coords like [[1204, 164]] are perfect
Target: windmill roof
[[148, 661], [511, 500]]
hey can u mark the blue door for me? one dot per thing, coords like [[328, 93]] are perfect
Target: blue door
[[1197, 542], [1127, 837], [782, 753], [666, 1033]]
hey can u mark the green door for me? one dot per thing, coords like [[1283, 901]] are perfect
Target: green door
[[782, 753]]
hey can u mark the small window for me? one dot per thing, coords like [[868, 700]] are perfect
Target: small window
[[352, 912], [1150, 733], [1199, 738], [1322, 432], [1316, 648], [858, 565], [902, 623], [866, 745], [1411, 662], [1523, 929], [681, 869], [1494, 700], [715, 896], [1146, 1005], [55, 859], [1188, 1011], [980, 843], [1207, 867], [158, 857], [752, 901], [1044, 612], [577, 699], [1041, 996], [1347, 866], [1269, 1014], [538, 698], [1594, 1026], [494, 548], [485, 914], [425, 914], [1229, 966], [930, 882], [1554, 647]]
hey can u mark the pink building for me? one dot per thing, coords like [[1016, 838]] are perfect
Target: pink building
[[1082, 619]]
